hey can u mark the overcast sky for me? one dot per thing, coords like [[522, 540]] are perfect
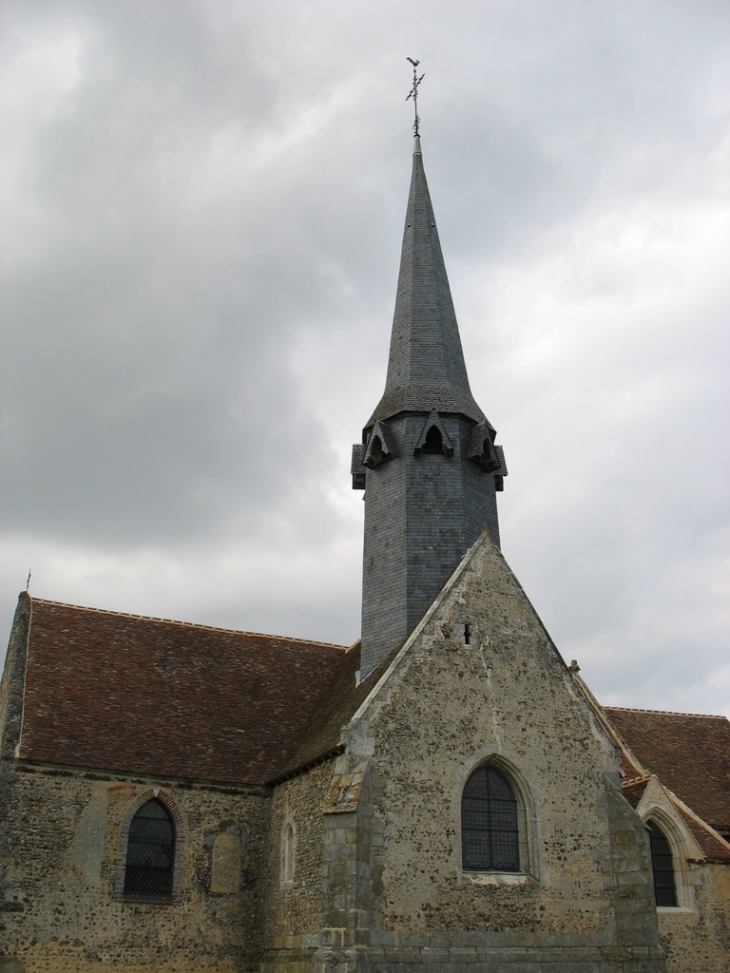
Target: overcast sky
[[203, 204]]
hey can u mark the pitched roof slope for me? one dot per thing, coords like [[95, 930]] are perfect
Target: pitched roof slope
[[426, 368], [689, 753], [324, 733], [116, 692]]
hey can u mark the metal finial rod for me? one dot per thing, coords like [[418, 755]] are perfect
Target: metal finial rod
[[413, 93]]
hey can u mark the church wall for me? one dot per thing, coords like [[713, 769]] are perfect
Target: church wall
[[698, 938], [60, 858], [582, 900], [295, 905], [696, 932], [11, 686]]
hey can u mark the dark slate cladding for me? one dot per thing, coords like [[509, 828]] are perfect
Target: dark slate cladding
[[426, 367], [435, 495]]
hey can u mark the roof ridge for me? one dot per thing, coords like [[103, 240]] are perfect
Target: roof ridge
[[183, 624], [666, 712]]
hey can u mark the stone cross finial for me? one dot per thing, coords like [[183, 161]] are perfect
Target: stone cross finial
[[413, 93]]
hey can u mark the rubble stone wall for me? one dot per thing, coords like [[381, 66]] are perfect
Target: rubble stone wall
[[480, 682], [60, 910]]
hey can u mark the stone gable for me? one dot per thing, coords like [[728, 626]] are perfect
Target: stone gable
[[480, 681]]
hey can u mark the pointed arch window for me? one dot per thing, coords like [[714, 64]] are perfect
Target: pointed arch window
[[150, 859], [288, 853], [490, 837], [662, 863]]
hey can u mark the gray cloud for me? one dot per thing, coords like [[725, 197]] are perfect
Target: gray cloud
[[204, 207]]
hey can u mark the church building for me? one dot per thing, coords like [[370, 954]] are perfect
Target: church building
[[446, 794]]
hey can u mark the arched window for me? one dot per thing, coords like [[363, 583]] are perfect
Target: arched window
[[288, 852], [150, 853], [665, 886], [490, 839]]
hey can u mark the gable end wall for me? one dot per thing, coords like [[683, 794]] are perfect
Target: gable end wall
[[583, 900]]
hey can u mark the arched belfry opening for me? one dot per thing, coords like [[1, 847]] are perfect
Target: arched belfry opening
[[376, 452], [434, 441]]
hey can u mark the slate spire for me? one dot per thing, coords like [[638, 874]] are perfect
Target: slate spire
[[427, 461], [426, 367]]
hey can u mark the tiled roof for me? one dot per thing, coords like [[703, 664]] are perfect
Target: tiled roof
[[689, 753], [153, 697], [633, 790], [323, 734], [712, 847]]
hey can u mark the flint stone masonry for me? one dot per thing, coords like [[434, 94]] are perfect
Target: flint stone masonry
[[695, 934], [699, 938], [294, 912], [59, 871], [583, 900]]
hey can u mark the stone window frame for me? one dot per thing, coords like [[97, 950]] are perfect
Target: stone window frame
[[288, 851], [151, 794], [681, 851], [526, 823]]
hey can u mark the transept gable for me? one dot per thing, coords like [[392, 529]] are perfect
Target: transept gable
[[483, 635]]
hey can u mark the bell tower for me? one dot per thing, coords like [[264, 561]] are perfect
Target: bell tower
[[428, 461]]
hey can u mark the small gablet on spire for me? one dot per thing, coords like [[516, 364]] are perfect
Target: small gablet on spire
[[413, 93]]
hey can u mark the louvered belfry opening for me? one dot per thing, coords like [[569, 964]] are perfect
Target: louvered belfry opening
[[150, 853], [489, 823]]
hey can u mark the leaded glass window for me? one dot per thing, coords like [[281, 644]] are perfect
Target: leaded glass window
[[150, 853], [490, 838], [665, 888]]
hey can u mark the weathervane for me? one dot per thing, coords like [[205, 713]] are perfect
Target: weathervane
[[413, 93]]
